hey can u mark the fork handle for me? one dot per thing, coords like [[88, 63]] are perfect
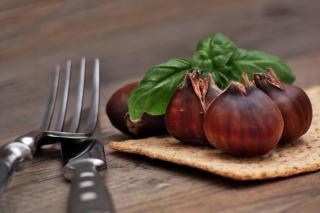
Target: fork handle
[[13, 156], [88, 192]]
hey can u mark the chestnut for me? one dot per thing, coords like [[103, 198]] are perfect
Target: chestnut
[[117, 111], [292, 101], [243, 121], [186, 109]]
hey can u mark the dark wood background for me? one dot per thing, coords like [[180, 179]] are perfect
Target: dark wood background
[[129, 37]]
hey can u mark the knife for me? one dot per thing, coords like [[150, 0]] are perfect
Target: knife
[[82, 164]]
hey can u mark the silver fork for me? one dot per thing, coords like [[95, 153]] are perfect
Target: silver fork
[[15, 154]]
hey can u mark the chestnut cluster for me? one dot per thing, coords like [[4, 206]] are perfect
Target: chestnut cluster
[[244, 120]]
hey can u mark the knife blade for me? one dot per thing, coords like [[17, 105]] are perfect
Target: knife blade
[[83, 161]]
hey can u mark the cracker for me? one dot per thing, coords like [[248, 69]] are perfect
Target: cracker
[[299, 157]]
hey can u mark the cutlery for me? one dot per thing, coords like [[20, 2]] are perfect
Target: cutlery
[[15, 154], [82, 162]]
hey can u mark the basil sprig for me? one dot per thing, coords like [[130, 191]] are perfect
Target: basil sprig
[[216, 55], [219, 56]]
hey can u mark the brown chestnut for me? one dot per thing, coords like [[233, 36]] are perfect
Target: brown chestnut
[[117, 111], [243, 121], [292, 101], [186, 109]]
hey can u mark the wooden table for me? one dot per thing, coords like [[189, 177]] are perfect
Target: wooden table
[[129, 37]]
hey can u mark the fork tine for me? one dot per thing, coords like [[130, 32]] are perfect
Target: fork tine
[[64, 99], [79, 101], [94, 108], [51, 102]]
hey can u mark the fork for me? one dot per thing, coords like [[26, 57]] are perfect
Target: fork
[[15, 154]]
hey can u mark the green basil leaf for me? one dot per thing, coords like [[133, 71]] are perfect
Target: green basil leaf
[[214, 55], [157, 87], [214, 52], [255, 61], [219, 56]]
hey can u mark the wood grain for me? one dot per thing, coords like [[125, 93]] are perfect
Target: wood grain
[[129, 37]]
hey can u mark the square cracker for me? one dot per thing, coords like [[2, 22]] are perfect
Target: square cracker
[[299, 157]]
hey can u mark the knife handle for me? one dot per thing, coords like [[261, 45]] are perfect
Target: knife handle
[[13, 155], [88, 193], [5, 174]]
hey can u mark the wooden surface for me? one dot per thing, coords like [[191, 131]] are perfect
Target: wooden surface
[[129, 37]]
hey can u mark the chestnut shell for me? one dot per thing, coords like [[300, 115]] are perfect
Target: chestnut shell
[[243, 122], [186, 109], [117, 111], [292, 101], [117, 107]]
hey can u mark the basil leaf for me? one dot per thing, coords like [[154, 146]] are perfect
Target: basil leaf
[[214, 55], [219, 56], [157, 87], [214, 52], [255, 61]]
